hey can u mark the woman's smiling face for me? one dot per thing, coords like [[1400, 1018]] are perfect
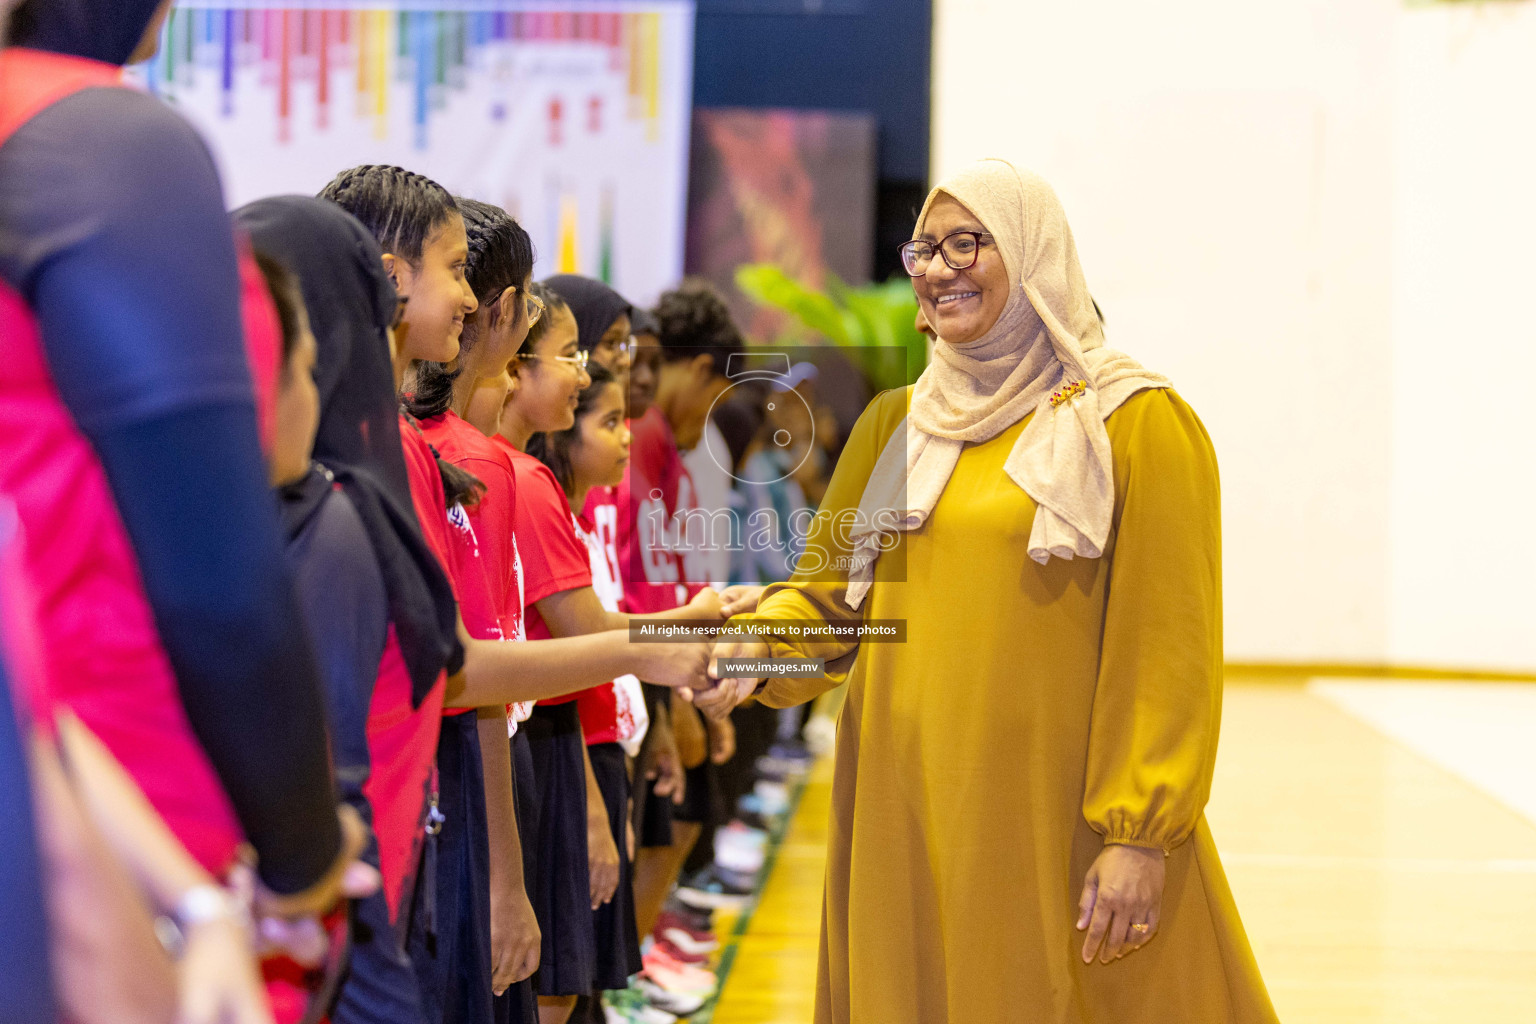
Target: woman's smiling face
[[960, 305]]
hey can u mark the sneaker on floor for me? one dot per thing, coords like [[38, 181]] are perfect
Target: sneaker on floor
[[690, 977], [792, 750], [737, 830], [678, 1003], [771, 810], [715, 887], [754, 821], [774, 796], [750, 806], [678, 930], [675, 976], [744, 881], [674, 951], [629, 1006], [740, 849], [746, 863], [784, 761], [768, 771], [697, 919], [698, 922]]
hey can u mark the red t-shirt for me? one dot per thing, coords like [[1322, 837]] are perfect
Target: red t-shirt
[[598, 523], [647, 501], [402, 740], [554, 558], [447, 532], [492, 594], [493, 606], [692, 544], [402, 748], [427, 497]]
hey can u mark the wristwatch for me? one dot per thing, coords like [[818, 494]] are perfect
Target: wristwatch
[[203, 903], [198, 905]]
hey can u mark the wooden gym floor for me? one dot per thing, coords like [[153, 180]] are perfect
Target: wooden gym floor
[[1380, 839]]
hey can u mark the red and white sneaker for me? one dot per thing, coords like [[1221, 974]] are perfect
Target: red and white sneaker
[[680, 931], [682, 956], [678, 977]]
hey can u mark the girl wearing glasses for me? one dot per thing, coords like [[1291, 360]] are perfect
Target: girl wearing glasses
[[603, 326], [1033, 762], [580, 869], [602, 322], [499, 271], [428, 253], [611, 330], [459, 416], [589, 457]]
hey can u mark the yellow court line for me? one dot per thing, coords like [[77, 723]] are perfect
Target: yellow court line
[[773, 973]]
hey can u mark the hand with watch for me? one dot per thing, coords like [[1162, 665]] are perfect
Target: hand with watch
[[208, 932], [208, 928]]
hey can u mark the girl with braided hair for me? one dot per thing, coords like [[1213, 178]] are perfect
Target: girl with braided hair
[[500, 266], [460, 960], [578, 863], [417, 224]]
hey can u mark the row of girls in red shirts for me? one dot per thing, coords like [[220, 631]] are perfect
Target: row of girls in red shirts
[[575, 816], [369, 543], [490, 912], [622, 493], [432, 956]]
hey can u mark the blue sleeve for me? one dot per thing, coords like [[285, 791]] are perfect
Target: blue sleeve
[[341, 593], [24, 956], [116, 234], [112, 225]]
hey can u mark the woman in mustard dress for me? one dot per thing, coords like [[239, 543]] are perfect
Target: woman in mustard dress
[[1017, 829]]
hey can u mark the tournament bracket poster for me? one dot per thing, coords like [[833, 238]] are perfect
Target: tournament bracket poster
[[572, 116]]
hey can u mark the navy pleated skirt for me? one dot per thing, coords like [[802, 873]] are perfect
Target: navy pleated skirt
[[450, 931], [613, 924], [561, 893]]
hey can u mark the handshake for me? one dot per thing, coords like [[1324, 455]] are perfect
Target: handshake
[[691, 666]]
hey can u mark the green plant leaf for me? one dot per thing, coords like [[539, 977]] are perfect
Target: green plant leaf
[[767, 285], [874, 323]]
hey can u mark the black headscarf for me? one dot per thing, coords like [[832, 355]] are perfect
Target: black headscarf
[[351, 302], [104, 30], [594, 305]]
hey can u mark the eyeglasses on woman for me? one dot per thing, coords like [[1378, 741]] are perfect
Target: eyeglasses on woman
[[958, 250]]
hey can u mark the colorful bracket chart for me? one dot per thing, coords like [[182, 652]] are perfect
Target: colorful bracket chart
[[573, 116]]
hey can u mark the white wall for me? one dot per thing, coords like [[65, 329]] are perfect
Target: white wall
[[1464, 337], [1261, 207]]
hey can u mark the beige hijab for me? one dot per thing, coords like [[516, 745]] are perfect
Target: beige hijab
[[1045, 355]]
